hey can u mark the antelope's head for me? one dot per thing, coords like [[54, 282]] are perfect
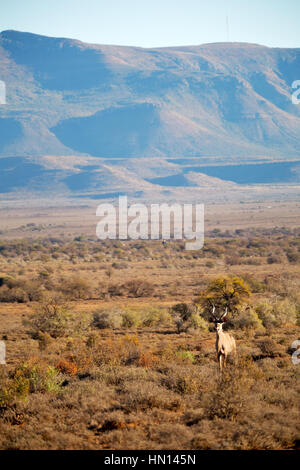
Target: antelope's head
[[218, 321]]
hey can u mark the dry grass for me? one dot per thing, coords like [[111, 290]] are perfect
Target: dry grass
[[137, 383]]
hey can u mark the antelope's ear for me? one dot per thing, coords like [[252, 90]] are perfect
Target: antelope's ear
[[211, 319], [224, 319]]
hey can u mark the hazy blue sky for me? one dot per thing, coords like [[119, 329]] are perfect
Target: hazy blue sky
[[150, 23]]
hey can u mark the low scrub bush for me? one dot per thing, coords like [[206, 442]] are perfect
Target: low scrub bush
[[230, 398], [130, 319], [66, 366], [53, 317], [269, 347], [247, 319], [76, 288], [182, 379], [156, 317], [276, 313], [187, 317], [138, 288], [103, 319], [34, 377], [185, 357]]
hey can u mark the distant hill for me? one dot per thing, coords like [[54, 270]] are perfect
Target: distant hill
[[224, 101]]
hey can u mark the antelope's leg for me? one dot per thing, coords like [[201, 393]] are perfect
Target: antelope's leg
[[220, 362], [235, 357]]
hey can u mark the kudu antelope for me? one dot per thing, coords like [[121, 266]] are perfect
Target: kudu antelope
[[225, 342]]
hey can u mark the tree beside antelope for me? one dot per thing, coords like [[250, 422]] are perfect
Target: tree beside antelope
[[224, 294]]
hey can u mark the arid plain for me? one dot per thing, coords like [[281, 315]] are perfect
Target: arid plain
[[109, 343]]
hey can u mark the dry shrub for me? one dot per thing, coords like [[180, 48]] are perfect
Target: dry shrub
[[269, 347], [53, 317], [230, 398], [77, 353], [103, 319], [186, 317], [233, 260], [147, 395], [138, 288], [120, 376], [134, 288], [76, 288], [65, 366], [15, 294], [124, 351], [147, 359], [130, 349], [116, 290], [256, 286], [165, 435], [196, 322], [166, 351], [20, 290], [107, 353], [109, 421], [183, 380], [293, 256], [265, 313], [44, 340], [285, 312]]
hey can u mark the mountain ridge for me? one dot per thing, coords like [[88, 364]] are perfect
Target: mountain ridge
[[230, 101]]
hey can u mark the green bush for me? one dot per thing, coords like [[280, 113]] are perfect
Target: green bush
[[156, 317], [247, 319], [264, 310], [226, 291], [39, 377], [130, 319], [196, 322], [285, 312], [276, 313]]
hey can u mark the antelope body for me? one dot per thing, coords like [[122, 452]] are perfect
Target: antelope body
[[225, 342]]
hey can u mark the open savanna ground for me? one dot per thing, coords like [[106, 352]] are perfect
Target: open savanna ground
[[37, 218], [109, 343]]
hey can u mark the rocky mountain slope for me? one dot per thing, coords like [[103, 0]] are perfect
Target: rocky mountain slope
[[224, 103]]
